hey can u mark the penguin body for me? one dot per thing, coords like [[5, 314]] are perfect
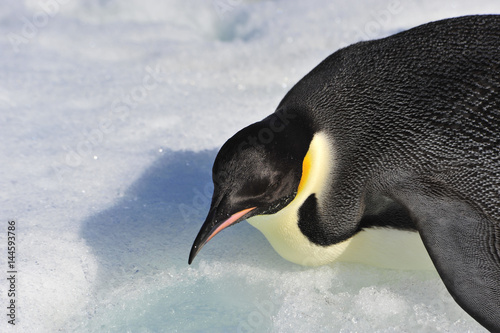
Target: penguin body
[[397, 138]]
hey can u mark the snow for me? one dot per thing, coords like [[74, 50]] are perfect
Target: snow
[[111, 115]]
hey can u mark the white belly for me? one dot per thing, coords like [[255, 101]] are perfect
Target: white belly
[[381, 247]]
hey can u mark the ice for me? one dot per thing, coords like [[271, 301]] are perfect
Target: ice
[[112, 113]]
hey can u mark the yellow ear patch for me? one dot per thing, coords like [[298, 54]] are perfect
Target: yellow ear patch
[[306, 168]]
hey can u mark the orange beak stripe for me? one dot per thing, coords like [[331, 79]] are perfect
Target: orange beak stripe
[[230, 221]]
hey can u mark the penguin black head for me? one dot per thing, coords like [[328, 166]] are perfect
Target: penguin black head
[[256, 172]]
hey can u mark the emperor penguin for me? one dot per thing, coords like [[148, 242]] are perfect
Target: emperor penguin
[[387, 145]]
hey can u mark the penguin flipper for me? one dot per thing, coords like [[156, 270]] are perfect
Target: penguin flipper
[[464, 246]]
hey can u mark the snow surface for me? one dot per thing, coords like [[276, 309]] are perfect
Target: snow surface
[[111, 114]]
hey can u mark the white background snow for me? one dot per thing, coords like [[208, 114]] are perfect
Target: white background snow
[[111, 114]]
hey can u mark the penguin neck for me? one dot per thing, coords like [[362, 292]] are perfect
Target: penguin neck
[[282, 229], [381, 247]]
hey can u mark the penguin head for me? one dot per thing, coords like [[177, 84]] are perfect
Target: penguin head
[[256, 172]]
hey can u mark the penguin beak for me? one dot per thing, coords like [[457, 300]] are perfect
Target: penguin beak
[[212, 226]]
